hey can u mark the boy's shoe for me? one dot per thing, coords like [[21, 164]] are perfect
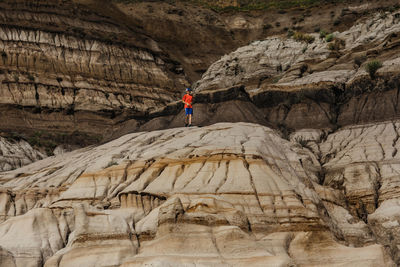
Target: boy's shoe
[[186, 125], [189, 125]]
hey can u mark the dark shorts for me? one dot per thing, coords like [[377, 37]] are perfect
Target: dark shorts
[[189, 111]]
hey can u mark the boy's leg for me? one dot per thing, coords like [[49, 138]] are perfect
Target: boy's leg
[[190, 119]]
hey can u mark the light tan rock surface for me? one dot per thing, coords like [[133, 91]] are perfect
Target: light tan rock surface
[[86, 71], [297, 85], [15, 154], [225, 195], [282, 57], [322, 191], [292, 85], [362, 162]]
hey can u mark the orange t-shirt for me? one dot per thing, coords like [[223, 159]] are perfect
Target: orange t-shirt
[[188, 100]]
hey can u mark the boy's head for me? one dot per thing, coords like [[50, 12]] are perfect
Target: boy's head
[[188, 90]]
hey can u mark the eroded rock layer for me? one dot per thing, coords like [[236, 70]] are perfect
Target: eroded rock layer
[[101, 69], [321, 83], [82, 74], [227, 194], [15, 154], [321, 192], [291, 84]]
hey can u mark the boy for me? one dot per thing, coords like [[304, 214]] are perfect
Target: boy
[[188, 99]]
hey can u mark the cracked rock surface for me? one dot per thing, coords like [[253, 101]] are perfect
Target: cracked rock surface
[[230, 194], [67, 69], [321, 189], [93, 71], [299, 85], [15, 154]]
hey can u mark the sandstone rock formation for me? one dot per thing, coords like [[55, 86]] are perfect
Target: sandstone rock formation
[[76, 75], [290, 84], [298, 85], [15, 154], [86, 71], [303, 171], [284, 57], [227, 194]]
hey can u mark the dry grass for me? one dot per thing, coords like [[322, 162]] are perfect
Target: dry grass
[[303, 37], [246, 5]]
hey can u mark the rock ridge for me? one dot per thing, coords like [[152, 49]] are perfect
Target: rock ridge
[[229, 185]]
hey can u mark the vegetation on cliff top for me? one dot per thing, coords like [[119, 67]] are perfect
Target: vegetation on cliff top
[[246, 5]]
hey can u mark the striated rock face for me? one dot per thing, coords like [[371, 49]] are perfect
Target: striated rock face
[[227, 194], [362, 161], [83, 72], [322, 191], [297, 85], [96, 70], [79, 74], [289, 84], [278, 55], [15, 154]]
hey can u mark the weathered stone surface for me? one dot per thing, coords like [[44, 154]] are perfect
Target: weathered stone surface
[[6, 258], [318, 85], [261, 59], [360, 163], [227, 194], [15, 154], [230, 194], [319, 249], [98, 238], [31, 238], [80, 73], [83, 70], [254, 64]]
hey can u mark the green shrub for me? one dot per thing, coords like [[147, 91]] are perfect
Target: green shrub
[[322, 34], [329, 37], [302, 37], [372, 66]]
